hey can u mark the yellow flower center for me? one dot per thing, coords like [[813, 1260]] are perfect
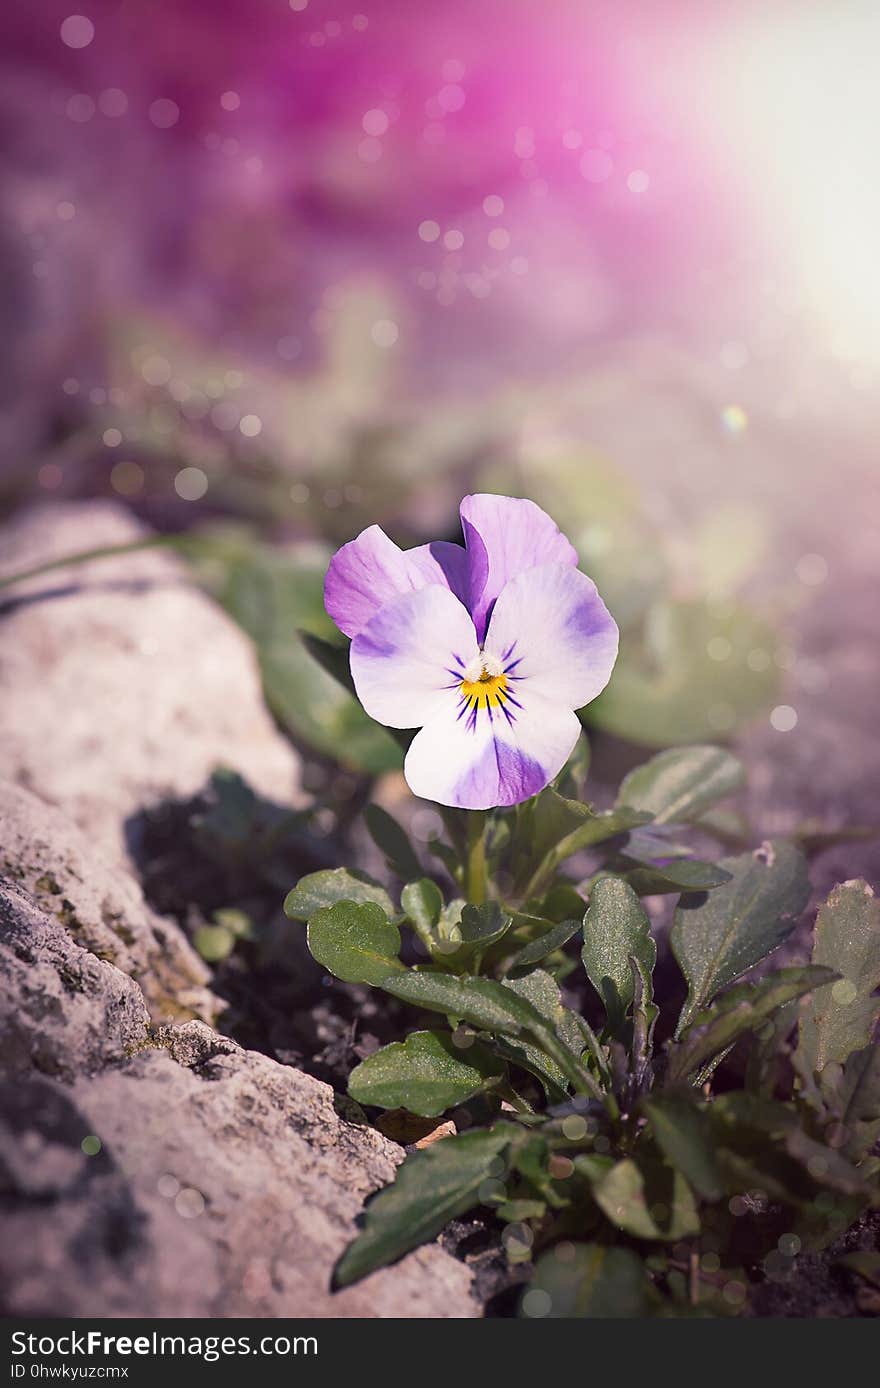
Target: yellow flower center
[[485, 683]]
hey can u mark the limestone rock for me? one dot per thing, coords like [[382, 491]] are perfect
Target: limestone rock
[[121, 684]]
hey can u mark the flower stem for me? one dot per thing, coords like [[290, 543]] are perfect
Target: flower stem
[[475, 860]]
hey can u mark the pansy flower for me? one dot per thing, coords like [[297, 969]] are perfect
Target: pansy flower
[[487, 648]]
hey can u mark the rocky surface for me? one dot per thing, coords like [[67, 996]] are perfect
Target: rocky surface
[[150, 1166], [121, 684], [100, 905]]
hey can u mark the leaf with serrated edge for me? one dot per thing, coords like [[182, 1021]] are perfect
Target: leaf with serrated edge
[[325, 888], [425, 1074], [432, 1187], [738, 1011], [678, 785], [718, 938], [357, 943], [841, 1018], [615, 930]]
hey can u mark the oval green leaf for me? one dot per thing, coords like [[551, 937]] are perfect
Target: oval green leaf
[[425, 1074], [357, 943]]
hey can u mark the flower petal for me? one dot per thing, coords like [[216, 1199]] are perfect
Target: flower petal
[[407, 661], [371, 569], [440, 562], [363, 575], [554, 635], [476, 764], [505, 536]]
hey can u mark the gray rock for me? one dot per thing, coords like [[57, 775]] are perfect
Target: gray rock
[[121, 684], [100, 905], [225, 1184], [63, 1011]]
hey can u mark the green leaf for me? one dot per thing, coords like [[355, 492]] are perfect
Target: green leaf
[[853, 1095], [593, 1282], [826, 1165], [645, 1014], [426, 1074], [841, 1017], [615, 929], [741, 1010], [552, 829], [432, 1187], [325, 888], [492, 1007], [649, 1202], [478, 927], [423, 902], [678, 785], [666, 689], [541, 990], [684, 875], [388, 835], [718, 938], [539, 948], [355, 942], [683, 1134]]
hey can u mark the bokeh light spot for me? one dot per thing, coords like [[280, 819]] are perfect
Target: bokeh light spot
[[127, 478], [734, 419], [812, 569], [164, 113], [77, 31], [191, 483], [50, 476], [189, 1203], [451, 97], [536, 1304], [370, 150], [80, 108], [783, 718], [91, 1145], [384, 332], [374, 121]]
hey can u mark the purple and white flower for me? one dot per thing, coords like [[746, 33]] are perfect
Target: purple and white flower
[[487, 648]]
